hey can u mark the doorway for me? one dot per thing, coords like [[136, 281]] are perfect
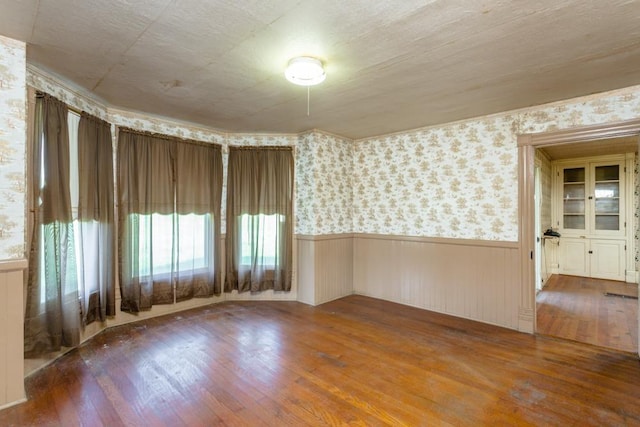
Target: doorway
[[596, 139]]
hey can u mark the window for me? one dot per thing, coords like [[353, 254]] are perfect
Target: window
[[157, 251], [169, 204], [260, 239], [259, 219]]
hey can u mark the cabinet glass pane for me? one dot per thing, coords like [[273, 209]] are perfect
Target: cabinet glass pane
[[574, 175], [607, 189], [574, 222], [607, 222], [608, 173], [574, 206], [574, 191], [607, 206]]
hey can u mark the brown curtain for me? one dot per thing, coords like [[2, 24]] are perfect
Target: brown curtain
[[198, 192], [169, 202], [259, 219], [52, 316], [95, 217]]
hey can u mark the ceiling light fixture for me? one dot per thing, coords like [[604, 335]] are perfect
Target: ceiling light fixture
[[305, 71]]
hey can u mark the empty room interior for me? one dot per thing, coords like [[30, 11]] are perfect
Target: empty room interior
[[319, 213]]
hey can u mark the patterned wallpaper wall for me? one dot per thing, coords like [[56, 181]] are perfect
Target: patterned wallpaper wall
[[456, 180], [606, 107], [12, 148], [460, 180], [324, 172]]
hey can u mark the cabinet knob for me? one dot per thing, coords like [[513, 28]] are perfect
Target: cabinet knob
[[590, 252]]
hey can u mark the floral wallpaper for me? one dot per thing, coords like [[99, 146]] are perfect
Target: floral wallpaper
[[607, 107], [68, 93], [459, 180], [324, 184], [164, 126], [12, 148]]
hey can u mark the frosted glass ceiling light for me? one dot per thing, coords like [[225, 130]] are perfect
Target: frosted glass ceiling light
[[305, 71]]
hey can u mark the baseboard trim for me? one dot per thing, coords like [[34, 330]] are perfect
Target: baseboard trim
[[14, 403]]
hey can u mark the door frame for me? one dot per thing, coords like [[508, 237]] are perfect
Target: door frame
[[537, 207], [527, 144]]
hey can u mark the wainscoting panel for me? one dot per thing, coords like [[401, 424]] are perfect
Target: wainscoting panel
[[325, 267], [11, 333], [476, 280]]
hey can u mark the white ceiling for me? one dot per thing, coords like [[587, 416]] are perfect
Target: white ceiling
[[391, 65]]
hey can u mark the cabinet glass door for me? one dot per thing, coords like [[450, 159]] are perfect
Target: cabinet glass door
[[573, 199], [607, 197]]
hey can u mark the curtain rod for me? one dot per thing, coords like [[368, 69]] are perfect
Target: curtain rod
[[168, 137], [40, 94]]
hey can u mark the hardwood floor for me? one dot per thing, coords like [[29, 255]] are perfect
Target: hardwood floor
[[576, 308], [356, 361]]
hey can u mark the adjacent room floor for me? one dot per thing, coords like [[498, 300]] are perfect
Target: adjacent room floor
[[593, 311], [356, 361]]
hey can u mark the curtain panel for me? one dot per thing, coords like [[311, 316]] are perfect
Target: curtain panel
[[52, 316], [96, 219], [259, 219], [169, 215], [198, 191]]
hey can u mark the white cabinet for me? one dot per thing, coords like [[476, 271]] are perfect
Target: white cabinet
[[607, 259], [592, 199], [573, 258], [598, 258], [590, 212]]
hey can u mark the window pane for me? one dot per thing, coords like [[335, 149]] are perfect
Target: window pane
[[607, 206], [607, 222], [574, 191], [608, 173], [574, 175], [607, 189], [161, 231], [574, 206], [158, 253], [192, 236], [259, 239], [574, 222]]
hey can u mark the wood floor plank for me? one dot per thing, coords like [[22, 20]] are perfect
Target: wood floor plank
[[576, 308], [353, 361]]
